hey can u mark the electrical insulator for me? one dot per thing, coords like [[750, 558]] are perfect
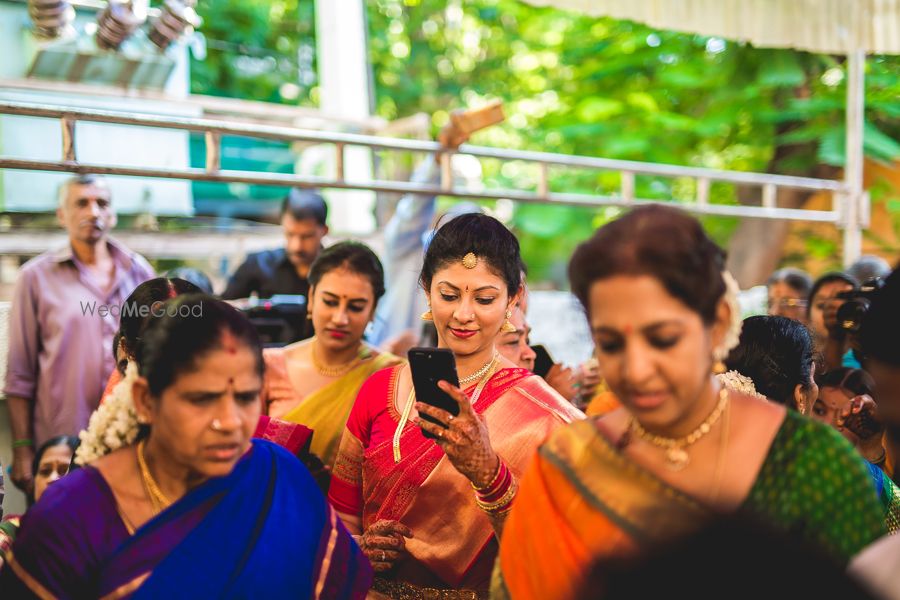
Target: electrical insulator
[[51, 18], [115, 24], [175, 17]]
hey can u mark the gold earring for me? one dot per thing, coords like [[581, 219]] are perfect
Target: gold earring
[[719, 367], [427, 316], [507, 326]]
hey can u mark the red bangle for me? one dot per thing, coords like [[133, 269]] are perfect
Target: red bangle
[[498, 476], [498, 491]]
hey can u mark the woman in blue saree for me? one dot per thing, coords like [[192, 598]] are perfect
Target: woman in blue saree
[[195, 508]]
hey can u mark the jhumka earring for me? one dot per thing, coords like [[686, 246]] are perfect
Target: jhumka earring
[[719, 361], [427, 316], [508, 327]]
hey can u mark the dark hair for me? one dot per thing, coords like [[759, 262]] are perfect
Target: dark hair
[[305, 204], [869, 267], [880, 328], [137, 307], [195, 276], [60, 440], [729, 553], [356, 257], [825, 280], [855, 381], [185, 329], [485, 237], [660, 241], [796, 279], [776, 353]]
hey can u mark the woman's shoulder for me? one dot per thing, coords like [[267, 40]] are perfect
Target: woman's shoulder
[[68, 508]]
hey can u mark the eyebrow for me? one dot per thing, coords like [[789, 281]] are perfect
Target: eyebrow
[[482, 288], [645, 329], [332, 294]]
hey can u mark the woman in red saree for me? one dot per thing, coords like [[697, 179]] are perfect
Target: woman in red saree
[[410, 498]]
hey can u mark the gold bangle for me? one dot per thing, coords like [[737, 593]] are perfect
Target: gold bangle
[[503, 503]]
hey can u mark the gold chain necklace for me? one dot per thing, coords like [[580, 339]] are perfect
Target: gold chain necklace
[[676, 449], [334, 371], [477, 375], [157, 498]]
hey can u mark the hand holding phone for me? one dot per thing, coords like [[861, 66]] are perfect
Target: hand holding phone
[[429, 366]]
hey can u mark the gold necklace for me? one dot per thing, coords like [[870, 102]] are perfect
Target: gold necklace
[[157, 498], [334, 371], [404, 418], [477, 375], [676, 449]]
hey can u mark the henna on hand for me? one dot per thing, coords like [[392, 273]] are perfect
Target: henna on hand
[[465, 439], [383, 543]]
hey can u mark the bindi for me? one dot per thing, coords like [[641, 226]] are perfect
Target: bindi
[[627, 330]]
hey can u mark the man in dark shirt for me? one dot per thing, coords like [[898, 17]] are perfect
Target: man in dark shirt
[[284, 270]]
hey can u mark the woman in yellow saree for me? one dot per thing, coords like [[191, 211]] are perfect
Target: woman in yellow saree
[[314, 382], [681, 449], [428, 510]]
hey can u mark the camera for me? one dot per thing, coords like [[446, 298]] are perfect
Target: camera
[[856, 304]]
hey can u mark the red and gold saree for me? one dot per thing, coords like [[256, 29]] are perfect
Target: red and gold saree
[[454, 545]]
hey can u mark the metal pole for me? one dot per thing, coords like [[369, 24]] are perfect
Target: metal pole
[[853, 167]]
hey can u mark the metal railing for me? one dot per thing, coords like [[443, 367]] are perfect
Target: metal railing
[[845, 212]]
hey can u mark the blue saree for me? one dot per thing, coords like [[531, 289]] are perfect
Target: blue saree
[[263, 531]]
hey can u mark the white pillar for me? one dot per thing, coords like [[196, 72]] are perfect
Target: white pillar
[[343, 65], [853, 162]]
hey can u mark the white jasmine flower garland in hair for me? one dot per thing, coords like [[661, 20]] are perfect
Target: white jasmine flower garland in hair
[[114, 424], [736, 382], [733, 335]]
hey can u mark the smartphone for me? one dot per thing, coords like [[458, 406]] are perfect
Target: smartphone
[[542, 360], [429, 366]]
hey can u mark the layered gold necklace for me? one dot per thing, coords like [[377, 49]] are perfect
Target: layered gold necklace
[[477, 375], [677, 457], [336, 370], [158, 499]]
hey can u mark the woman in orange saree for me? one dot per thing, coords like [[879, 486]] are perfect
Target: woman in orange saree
[[410, 498], [681, 449]]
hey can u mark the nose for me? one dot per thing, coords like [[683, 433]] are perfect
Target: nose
[[340, 317], [527, 353], [637, 364], [464, 313], [95, 209], [229, 416]]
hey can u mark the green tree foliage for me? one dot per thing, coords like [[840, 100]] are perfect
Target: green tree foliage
[[579, 85]]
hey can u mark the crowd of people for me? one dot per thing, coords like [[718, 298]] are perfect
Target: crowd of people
[[167, 450]]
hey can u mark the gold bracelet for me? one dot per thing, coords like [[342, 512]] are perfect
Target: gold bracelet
[[503, 503]]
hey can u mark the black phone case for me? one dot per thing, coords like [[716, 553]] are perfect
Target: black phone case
[[542, 361], [428, 366]]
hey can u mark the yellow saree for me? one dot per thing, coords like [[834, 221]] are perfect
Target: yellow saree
[[325, 411]]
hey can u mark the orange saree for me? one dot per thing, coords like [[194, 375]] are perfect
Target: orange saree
[[454, 545]]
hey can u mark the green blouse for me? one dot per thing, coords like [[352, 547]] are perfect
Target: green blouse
[[814, 484]]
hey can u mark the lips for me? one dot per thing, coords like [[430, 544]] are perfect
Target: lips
[[223, 452], [648, 400], [337, 334], [463, 334]]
